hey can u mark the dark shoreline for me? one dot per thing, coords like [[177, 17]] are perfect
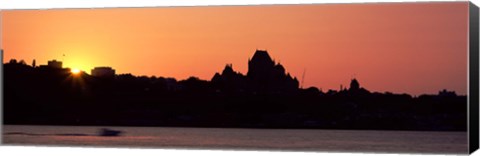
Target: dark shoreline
[[266, 97]]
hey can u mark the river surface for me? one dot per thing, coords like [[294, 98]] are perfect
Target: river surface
[[245, 139]]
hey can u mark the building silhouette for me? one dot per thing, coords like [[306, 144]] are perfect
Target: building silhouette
[[446, 93], [55, 64], [105, 72], [356, 89], [229, 80], [266, 76], [354, 85]]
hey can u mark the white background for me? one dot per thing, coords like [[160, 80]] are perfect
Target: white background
[[81, 151]]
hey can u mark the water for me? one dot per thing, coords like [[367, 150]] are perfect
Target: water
[[255, 139]]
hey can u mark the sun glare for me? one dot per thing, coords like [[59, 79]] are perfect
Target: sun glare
[[75, 71]]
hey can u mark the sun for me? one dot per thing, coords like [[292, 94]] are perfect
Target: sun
[[75, 71]]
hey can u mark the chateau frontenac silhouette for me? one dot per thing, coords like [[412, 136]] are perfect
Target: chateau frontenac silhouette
[[264, 77], [266, 97]]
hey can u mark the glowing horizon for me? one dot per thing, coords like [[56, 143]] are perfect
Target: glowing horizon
[[412, 48]]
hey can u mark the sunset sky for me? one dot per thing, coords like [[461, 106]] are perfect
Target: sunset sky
[[410, 48]]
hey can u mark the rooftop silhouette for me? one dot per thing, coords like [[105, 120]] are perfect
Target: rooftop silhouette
[[264, 76]]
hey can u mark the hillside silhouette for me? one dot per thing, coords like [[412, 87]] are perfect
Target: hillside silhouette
[[266, 97]]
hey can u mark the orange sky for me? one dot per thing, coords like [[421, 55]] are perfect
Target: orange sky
[[399, 47]]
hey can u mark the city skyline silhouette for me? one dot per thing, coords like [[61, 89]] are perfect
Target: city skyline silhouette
[[261, 57], [266, 97]]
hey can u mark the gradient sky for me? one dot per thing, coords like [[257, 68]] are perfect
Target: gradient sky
[[410, 48]]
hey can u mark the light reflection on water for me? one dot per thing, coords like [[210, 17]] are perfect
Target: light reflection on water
[[270, 139]]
